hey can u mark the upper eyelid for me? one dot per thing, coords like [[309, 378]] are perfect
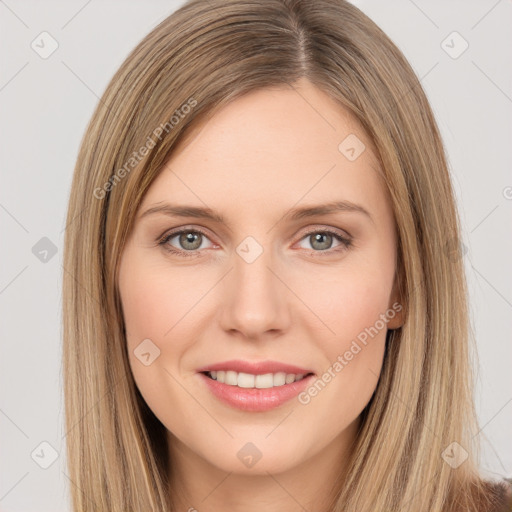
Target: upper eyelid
[[177, 231]]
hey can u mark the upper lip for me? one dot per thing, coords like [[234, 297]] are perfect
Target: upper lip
[[255, 367]]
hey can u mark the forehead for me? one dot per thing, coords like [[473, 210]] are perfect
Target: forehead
[[273, 147]]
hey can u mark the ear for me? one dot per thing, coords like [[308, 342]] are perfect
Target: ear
[[396, 306]]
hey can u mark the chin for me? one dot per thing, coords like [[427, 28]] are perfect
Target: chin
[[262, 467]]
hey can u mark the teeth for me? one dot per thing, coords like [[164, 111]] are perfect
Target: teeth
[[248, 380], [279, 379], [264, 381], [243, 380], [290, 377], [231, 378]]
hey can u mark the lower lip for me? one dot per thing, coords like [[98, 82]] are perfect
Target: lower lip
[[254, 399]]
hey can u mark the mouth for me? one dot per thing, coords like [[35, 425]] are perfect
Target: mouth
[[260, 391], [252, 381]]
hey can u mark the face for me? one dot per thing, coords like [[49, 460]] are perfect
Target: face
[[280, 287]]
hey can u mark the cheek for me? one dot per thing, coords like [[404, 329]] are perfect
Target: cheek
[[354, 303], [356, 311], [154, 306], [156, 302], [353, 355], [349, 300]]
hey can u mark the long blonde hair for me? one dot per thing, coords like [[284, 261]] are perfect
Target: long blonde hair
[[203, 56]]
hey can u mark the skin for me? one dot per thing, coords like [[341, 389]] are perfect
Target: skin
[[301, 301]]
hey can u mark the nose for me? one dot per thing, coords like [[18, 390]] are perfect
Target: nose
[[255, 299]]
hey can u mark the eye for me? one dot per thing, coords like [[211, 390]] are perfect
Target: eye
[[322, 241], [190, 242]]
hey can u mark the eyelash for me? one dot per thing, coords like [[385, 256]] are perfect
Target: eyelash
[[345, 242]]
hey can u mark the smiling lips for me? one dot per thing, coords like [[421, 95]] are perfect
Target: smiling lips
[[248, 380], [255, 387]]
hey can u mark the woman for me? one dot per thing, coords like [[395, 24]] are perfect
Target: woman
[[260, 311]]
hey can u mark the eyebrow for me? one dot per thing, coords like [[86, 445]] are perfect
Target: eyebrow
[[293, 214]]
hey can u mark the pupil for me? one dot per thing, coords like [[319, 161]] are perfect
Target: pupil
[[190, 238], [318, 238]]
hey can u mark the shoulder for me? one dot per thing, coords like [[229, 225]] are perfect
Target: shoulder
[[500, 494]]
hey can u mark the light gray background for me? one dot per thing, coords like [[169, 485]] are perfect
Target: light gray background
[[45, 105]]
